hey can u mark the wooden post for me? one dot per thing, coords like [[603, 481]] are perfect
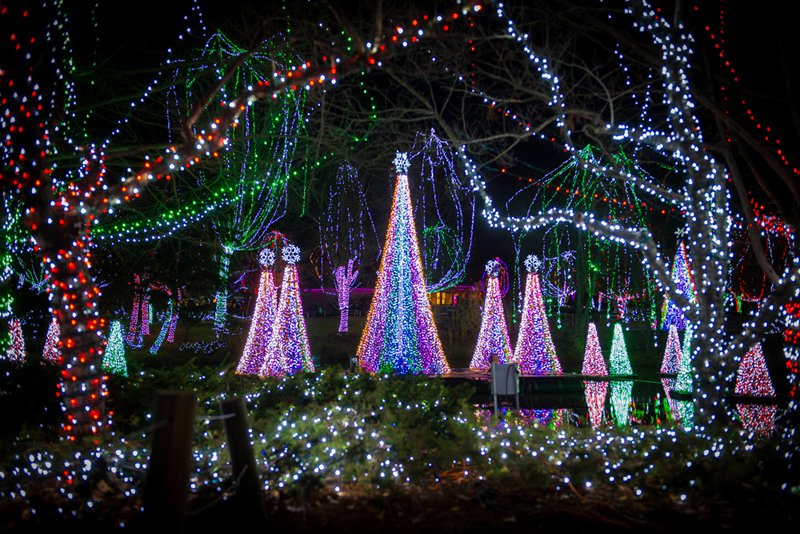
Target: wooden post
[[166, 487], [248, 492]]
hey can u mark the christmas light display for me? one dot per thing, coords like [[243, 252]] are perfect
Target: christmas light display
[[165, 326], [753, 380], [50, 353], [593, 362], [133, 329], [347, 232], [672, 314], [288, 351], [146, 315], [400, 335], [701, 198], [594, 365], [445, 211], [35, 125], [670, 366], [535, 353], [619, 361], [16, 348], [345, 277], [258, 337], [684, 383], [621, 390], [114, 360], [493, 341], [672, 354]]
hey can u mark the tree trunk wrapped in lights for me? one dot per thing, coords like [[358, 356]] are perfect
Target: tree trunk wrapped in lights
[[400, 335], [345, 277]]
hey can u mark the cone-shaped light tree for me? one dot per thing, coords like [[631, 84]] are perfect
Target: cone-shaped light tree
[[681, 272], [684, 382], [255, 348], [400, 335], [288, 351], [50, 352], [753, 380], [621, 390], [114, 361], [594, 365], [535, 353], [493, 340], [16, 348], [670, 366]]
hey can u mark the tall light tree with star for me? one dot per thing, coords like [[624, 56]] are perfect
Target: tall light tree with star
[[400, 335]]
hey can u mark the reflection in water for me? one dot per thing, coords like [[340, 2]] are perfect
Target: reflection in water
[[550, 417], [595, 400], [669, 386], [758, 418], [621, 393]]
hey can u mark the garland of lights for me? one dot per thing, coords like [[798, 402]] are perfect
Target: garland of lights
[[493, 344], [400, 335]]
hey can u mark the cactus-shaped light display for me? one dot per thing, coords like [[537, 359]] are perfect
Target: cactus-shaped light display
[[400, 335], [255, 348], [535, 352], [288, 351], [493, 340]]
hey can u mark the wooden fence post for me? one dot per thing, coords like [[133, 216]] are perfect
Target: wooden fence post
[[248, 492], [166, 487]]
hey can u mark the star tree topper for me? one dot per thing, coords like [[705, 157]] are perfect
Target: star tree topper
[[533, 263], [291, 254], [266, 257], [401, 162], [493, 268]]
